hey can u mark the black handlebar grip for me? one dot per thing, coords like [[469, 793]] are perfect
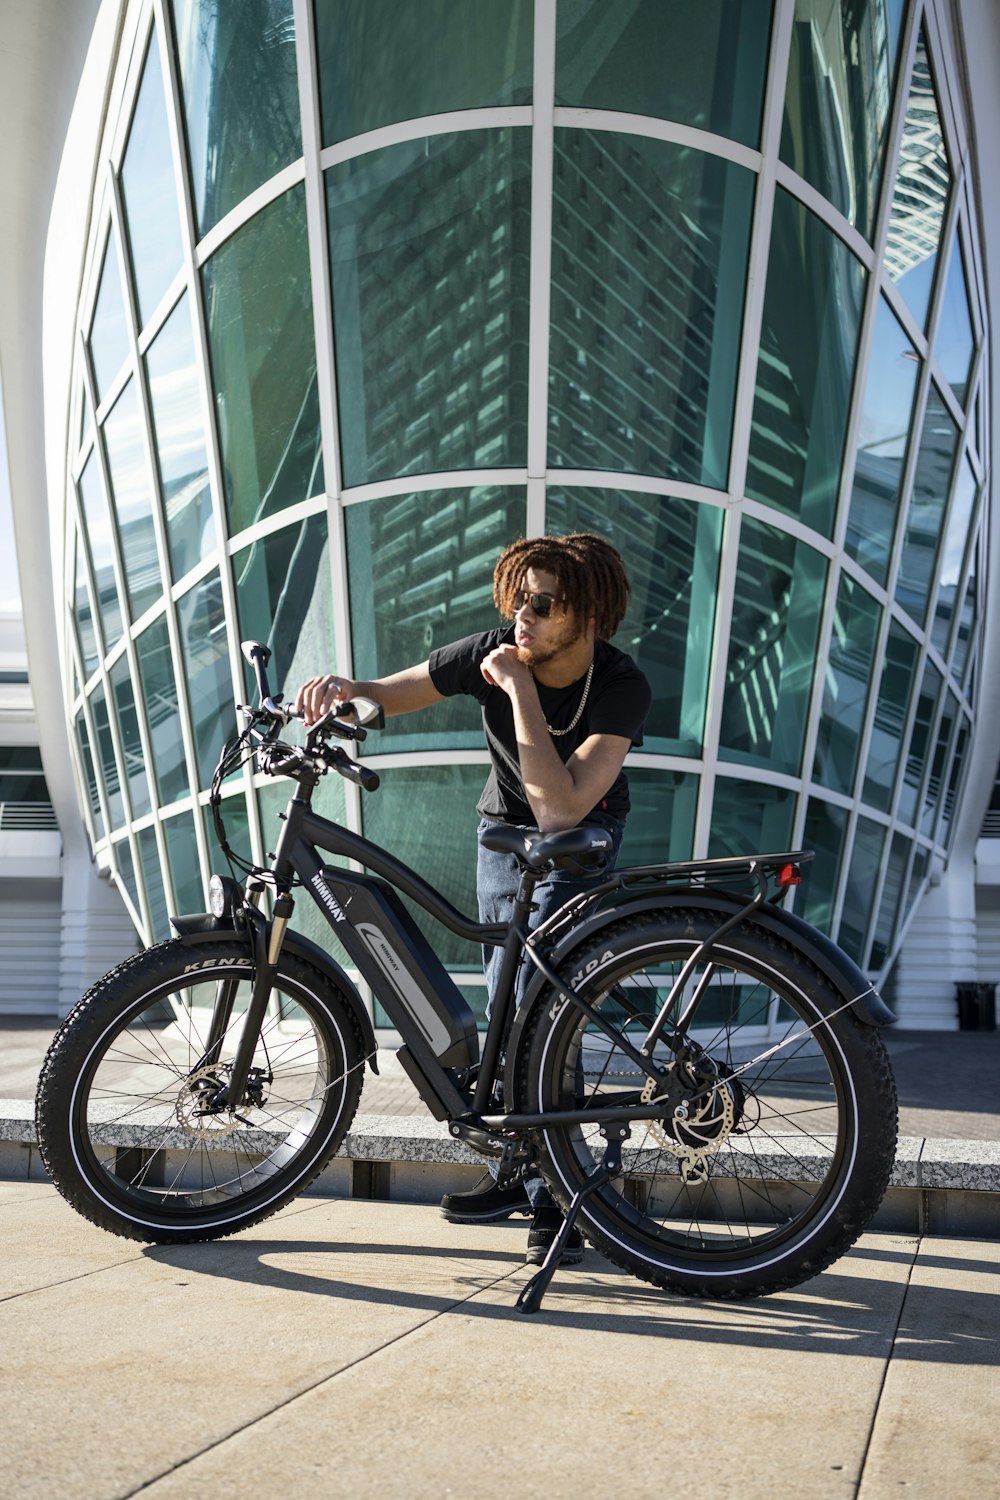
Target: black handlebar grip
[[366, 778]]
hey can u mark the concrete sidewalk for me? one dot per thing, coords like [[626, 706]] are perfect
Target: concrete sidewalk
[[349, 1348]]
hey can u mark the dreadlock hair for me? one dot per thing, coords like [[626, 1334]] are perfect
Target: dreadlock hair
[[591, 575]]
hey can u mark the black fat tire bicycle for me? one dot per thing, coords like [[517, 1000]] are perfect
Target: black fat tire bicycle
[[698, 1075]]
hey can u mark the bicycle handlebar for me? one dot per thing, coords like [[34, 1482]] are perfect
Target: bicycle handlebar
[[276, 759]]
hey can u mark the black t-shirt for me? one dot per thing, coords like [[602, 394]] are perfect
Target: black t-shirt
[[617, 703]]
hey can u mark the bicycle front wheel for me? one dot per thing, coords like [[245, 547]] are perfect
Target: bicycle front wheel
[[783, 1157], [125, 1122]]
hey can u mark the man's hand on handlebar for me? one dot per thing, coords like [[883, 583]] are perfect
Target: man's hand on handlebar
[[317, 696]]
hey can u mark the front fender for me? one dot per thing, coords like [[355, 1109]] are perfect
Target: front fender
[[843, 973], [203, 927]]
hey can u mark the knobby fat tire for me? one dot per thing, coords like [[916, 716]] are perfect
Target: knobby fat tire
[[860, 1076], [90, 1033]]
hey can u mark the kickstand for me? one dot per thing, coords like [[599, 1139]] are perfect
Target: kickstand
[[532, 1293]]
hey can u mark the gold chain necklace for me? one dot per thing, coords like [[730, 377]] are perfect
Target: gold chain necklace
[[577, 716]]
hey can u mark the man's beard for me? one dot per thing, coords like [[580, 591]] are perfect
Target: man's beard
[[537, 656]]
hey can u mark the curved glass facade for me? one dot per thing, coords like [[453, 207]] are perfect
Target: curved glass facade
[[375, 287]]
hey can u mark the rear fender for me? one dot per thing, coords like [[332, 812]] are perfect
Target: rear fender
[[843, 973], [203, 927]]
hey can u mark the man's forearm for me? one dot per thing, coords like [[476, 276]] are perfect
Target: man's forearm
[[550, 789]]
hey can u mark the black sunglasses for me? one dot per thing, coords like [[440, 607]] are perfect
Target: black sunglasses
[[541, 604]]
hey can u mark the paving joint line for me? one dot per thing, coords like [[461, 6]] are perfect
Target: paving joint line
[[316, 1385], [885, 1372], [50, 1286]]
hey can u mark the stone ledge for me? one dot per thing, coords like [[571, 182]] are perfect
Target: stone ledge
[[933, 1164]]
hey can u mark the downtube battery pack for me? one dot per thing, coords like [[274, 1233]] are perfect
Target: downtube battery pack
[[402, 968]]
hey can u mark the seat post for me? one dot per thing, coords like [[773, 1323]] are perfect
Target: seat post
[[502, 1008]]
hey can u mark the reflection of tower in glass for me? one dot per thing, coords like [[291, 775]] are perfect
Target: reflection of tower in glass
[[641, 379], [922, 184]]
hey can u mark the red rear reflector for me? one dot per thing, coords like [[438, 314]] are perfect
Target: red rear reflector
[[789, 875]]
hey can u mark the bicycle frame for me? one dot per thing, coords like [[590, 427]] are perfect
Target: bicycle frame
[[440, 1051]]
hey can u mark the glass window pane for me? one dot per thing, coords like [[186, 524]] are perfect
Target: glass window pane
[[846, 681], [260, 327], [859, 891], [702, 65], [241, 97], [109, 330], [128, 733], [949, 801], [772, 649], [918, 874], [916, 757], [881, 451], [125, 874], [809, 335], [649, 263], [840, 82], [106, 753], [236, 824], [954, 343], [660, 825], [83, 613], [672, 551], [412, 800], [953, 554], [923, 181], [429, 243], [153, 877], [205, 653], [931, 483], [284, 599], [89, 774], [892, 896], [21, 776], [749, 817], [890, 717], [158, 679], [967, 622], [98, 524], [938, 764], [150, 192], [380, 61], [179, 440], [185, 871], [421, 571], [133, 502], [824, 831]]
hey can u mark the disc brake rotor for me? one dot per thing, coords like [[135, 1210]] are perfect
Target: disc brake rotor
[[698, 1130], [193, 1111]]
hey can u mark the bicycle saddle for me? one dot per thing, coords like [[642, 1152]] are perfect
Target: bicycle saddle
[[580, 850]]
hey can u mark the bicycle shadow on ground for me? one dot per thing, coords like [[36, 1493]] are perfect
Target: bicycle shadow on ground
[[835, 1312]]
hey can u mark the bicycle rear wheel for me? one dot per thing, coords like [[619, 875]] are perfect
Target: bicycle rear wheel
[[123, 1126], [785, 1158]]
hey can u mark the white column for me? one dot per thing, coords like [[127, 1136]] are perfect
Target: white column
[[939, 951], [96, 931]]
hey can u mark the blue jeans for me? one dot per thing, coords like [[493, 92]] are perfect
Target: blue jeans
[[497, 878]]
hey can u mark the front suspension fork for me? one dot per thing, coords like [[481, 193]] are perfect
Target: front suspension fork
[[267, 940]]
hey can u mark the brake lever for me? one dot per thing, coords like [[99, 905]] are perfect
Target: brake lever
[[332, 722]]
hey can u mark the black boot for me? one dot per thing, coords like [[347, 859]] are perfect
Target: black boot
[[545, 1226], [486, 1204]]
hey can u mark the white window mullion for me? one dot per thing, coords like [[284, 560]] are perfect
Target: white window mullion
[[542, 154], [760, 246]]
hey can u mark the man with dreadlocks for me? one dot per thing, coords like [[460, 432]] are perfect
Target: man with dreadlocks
[[561, 708]]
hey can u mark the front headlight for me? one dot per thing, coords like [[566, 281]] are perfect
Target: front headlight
[[223, 895]]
